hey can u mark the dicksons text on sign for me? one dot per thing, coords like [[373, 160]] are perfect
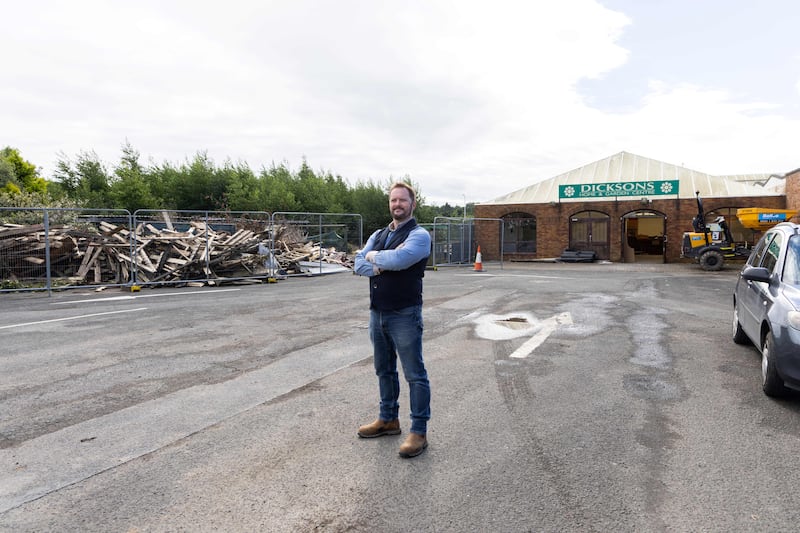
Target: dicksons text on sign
[[616, 189]]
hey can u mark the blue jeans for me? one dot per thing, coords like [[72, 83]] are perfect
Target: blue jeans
[[398, 334]]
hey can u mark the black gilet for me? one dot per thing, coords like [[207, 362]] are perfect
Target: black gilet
[[396, 289]]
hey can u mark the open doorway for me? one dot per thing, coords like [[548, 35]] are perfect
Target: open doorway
[[644, 234]]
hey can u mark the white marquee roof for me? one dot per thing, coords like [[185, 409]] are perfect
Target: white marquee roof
[[625, 167]]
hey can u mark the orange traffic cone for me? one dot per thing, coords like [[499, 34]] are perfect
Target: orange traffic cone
[[478, 261]]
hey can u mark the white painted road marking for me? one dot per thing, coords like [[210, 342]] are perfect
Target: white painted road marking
[[503, 327], [72, 318], [549, 325], [115, 298], [514, 325]]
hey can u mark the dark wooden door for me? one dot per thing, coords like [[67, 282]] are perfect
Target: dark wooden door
[[589, 230]]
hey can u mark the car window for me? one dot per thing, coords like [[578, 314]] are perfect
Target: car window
[[758, 252], [791, 267], [772, 252]]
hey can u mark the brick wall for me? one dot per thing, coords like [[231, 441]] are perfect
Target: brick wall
[[793, 192], [552, 221]]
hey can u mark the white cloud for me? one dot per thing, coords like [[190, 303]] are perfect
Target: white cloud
[[467, 97]]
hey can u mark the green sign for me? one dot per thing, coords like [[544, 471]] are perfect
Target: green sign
[[625, 188]]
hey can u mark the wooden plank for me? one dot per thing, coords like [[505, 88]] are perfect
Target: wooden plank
[[167, 220], [161, 254], [194, 249], [144, 262], [124, 257], [152, 229], [89, 258], [236, 237], [113, 231], [182, 248], [165, 255], [202, 226], [20, 230]]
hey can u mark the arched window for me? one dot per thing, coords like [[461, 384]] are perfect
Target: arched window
[[519, 233]]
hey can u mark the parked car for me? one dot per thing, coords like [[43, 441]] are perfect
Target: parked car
[[766, 307]]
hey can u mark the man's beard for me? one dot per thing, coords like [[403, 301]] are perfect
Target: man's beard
[[401, 215]]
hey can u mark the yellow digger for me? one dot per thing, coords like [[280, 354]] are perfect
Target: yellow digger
[[711, 242]]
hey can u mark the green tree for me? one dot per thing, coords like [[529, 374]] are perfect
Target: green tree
[[371, 201], [337, 193], [86, 181], [242, 192], [131, 189], [164, 181], [66, 176], [8, 178], [57, 191], [198, 186], [276, 186], [309, 189], [17, 174], [24, 199]]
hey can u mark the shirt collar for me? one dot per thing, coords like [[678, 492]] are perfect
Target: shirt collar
[[392, 227]]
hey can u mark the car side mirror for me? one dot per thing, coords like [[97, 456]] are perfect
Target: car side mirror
[[757, 274]]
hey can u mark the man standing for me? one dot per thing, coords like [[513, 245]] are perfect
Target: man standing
[[394, 258]]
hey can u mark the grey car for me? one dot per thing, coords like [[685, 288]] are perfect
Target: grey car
[[766, 307]]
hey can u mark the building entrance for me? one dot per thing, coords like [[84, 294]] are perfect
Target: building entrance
[[588, 230], [644, 237]]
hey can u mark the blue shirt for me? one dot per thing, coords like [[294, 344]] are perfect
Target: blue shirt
[[416, 247]]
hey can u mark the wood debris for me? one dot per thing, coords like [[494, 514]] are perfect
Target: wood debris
[[106, 253]]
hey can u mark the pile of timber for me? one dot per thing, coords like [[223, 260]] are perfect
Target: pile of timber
[[108, 253]]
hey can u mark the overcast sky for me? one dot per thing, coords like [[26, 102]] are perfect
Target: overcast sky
[[471, 99]]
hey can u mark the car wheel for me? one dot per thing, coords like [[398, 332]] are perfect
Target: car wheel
[[712, 260], [771, 382], [739, 336]]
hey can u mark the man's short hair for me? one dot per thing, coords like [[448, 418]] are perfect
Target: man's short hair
[[406, 186]]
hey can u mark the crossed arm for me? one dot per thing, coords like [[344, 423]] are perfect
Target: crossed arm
[[416, 247]]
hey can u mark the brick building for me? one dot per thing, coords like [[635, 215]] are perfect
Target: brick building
[[625, 208]]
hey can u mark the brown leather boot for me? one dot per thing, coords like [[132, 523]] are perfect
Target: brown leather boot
[[379, 428], [414, 445]]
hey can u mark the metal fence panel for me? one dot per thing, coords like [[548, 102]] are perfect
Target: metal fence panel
[[455, 242], [178, 247], [46, 248], [42, 248], [332, 237]]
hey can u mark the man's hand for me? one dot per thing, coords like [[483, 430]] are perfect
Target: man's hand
[[371, 256]]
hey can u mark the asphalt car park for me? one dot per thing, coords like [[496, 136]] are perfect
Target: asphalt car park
[[580, 397]]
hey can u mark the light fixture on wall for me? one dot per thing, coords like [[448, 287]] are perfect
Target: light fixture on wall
[[646, 201]]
